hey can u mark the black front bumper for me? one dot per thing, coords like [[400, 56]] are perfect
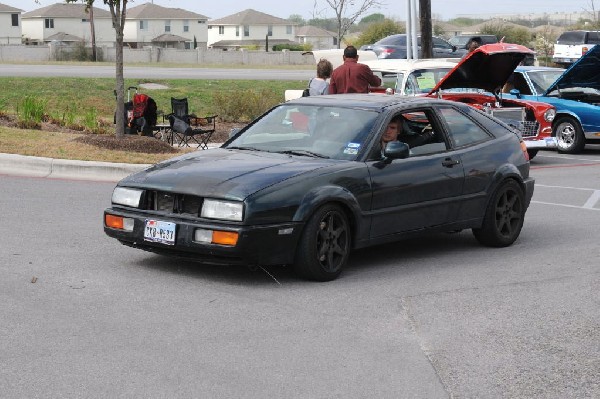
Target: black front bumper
[[273, 244]]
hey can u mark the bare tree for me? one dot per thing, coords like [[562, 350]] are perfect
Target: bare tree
[[426, 29], [593, 12], [117, 11], [345, 17]]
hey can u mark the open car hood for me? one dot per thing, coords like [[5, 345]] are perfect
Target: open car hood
[[584, 73], [486, 68]]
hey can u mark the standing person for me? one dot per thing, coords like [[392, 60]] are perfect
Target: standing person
[[473, 44], [319, 85], [352, 77]]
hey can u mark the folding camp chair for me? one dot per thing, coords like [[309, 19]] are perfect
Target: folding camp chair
[[188, 128]]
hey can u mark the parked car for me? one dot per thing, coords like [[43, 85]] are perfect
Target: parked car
[[394, 46], [460, 41], [411, 77], [572, 44], [575, 93], [308, 181], [478, 80]]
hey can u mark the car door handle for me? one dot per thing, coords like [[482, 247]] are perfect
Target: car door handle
[[449, 162]]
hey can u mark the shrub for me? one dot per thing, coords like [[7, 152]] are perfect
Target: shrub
[[379, 30], [31, 113], [90, 119], [292, 47], [234, 107]]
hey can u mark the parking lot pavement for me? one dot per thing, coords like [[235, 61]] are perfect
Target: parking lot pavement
[[564, 180]]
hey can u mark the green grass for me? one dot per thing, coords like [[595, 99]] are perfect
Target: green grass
[[80, 94]]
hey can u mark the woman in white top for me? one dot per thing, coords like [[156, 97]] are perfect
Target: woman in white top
[[320, 84]]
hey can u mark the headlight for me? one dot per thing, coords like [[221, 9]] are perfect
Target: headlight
[[226, 210], [549, 115], [127, 196]]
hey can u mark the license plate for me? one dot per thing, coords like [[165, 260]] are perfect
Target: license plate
[[159, 231]]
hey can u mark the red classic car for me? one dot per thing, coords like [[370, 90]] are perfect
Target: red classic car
[[478, 79]]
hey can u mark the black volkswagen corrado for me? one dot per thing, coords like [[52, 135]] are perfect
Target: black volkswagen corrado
[[309, 181]]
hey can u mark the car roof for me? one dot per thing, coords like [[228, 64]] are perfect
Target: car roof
[[402, 65], [368, 101]]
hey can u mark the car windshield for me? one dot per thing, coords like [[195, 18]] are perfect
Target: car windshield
[[309, 130], [424, 80], [542, 80]]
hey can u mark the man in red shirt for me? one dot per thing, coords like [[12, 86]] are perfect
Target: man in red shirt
[[352, 77]]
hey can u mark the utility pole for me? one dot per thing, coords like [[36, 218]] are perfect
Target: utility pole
[[93, 34], [426, 29]]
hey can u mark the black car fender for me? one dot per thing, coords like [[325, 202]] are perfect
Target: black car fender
[[504, 172], [330, 194]]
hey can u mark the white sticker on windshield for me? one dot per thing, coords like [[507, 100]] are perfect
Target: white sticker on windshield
[[353, 145]]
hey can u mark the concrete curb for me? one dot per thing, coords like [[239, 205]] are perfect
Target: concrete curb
[[21, 165]]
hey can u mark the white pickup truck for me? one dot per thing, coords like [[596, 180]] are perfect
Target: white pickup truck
[[571, 45]]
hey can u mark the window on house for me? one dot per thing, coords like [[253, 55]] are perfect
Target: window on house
[[15, 19], [143, 25], [288, 29], [237, 30], [49, 23], [246, 30], [167, 26], [186, 25], [221, 30], [270, 30]]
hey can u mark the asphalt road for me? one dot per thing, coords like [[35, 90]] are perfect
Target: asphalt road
[[108, 71], [83, 316]]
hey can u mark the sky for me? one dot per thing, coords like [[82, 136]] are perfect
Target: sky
[[396, 9]]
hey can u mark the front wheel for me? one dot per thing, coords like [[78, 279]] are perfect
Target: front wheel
[[532, 153], [324, 245], [569, 136], [504, 216]]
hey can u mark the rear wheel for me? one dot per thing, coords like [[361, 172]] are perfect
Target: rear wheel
[[504, 216], [324, 246], [569, 136]]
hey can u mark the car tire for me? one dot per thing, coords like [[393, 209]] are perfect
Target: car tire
[[532, 153], [324, 245], [569, 136], [504, 216]]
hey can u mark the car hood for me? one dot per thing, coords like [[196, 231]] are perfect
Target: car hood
[[582, 74], [223, 173], [486, 68]]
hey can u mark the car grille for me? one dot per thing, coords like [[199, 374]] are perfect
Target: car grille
[[529, 129], [167, 202]]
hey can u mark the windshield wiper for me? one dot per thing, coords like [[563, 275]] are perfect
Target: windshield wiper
[[244, 148], [303, 152]]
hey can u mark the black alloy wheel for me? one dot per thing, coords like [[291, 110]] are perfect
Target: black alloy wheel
[[504, 216], [324, 246]]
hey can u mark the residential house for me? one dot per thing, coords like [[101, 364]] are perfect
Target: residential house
[[318, 38], [250, 28], [68, 24], [152, 25], [10, 25]]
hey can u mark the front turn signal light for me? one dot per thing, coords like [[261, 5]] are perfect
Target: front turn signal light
[[225, 237]]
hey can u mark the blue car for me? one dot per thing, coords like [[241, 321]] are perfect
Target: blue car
[[575, 93]]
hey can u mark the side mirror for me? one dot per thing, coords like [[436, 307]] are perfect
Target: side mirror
[[516, 93], [396, 150], [454, 48]]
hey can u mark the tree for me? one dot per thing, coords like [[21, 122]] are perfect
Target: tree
[[369, 19], [378, 30], [509, 33], [426, 30], [118, 10], [345, 18], [297, 18]]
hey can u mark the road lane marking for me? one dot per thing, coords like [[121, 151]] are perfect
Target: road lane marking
[[570, 158], [565, 205], [593, 200], [566, 187]]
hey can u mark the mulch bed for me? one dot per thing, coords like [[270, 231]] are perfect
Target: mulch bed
[[133, 143]]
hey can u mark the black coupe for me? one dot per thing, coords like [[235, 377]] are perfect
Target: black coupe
[[310, 180]]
